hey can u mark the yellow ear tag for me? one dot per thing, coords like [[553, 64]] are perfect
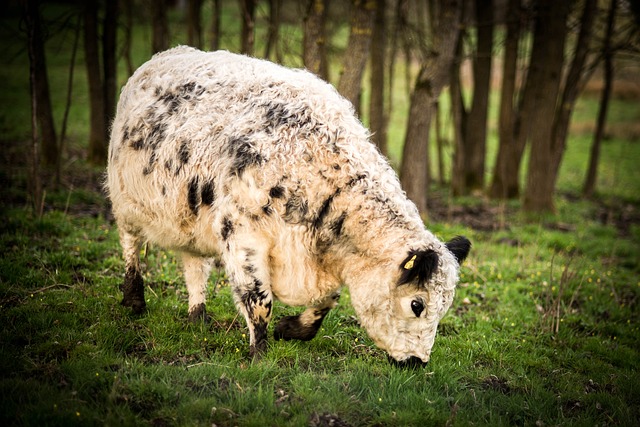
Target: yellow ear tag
[[409, 264]]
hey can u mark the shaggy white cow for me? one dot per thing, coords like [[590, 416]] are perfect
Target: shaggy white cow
[[268, 168]]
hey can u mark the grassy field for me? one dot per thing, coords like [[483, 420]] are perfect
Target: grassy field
[[544, 329]]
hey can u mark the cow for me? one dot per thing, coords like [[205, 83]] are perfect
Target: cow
[[217, 155]]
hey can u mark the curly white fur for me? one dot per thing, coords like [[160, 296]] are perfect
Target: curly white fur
[[222, 155]]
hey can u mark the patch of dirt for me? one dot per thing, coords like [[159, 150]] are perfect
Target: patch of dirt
[[492, 382], [481, 216], [327, 420]]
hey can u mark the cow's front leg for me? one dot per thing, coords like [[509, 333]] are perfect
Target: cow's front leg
[[305, 326], [196, 275], [256, 302], [249, 273]]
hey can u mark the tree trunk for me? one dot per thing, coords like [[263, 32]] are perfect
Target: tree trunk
[[377, 119], [34, 38], [592, 172], [97, 143], [247, 36], [49, 145], [357, 52], [160, 25], [459, 114], [475, 138], [433, 76], [274, 25], [315, 47], [502, 175], [194, 23], [109, 63], [548, 54], [128, 29], [215, 25], [574, 83]]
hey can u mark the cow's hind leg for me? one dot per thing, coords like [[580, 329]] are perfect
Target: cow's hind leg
[[133, 286], [305, 326], [196, 276]]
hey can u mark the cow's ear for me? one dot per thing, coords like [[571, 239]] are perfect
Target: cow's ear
[[418, 265], [459, 246]]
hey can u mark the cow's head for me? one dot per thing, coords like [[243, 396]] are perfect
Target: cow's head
[[420, 292]]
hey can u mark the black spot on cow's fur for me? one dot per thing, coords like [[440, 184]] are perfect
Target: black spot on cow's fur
[[418, 266], [296, 209], [280, 114], [183, 152], [244, 154], [266, 209], [207, 193], [337, 225], [151, 164], [276, 192], [168, 164], [227, 228], [193, 194]]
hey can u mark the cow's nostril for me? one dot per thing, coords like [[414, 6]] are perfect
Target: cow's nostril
[[412, 362]]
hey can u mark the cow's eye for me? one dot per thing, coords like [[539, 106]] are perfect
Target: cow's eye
[[417, 307]]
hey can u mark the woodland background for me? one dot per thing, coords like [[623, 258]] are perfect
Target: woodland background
[[514, 122]]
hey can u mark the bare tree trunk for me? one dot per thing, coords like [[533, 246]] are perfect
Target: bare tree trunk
[[433, 76], [49, 145], [194, 23], [33, 35], [439, 143], [592, 172], [128, 28], [160, 25], [475, 138], [97, 144], [574, 83], [548, 53], [215, 25], [109, 63], [274, 27], [315, 46], [377, 118], [459, 114], [247, 37], [72, 67], [357, 52], [506, 127]]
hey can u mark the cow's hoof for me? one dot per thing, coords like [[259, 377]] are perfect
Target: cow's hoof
[[137, 306], [199, 314]]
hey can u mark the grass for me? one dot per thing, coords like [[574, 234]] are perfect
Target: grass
[[544, 328]]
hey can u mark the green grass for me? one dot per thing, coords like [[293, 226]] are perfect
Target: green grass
[[544, 328]]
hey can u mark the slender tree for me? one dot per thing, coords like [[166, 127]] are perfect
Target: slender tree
[[97, 126], [159, 24], [357, 52], [314, 43], [592, 172], [377, 118], [432, 78], [194, 23], [247, 35], [475, 138], [35, 183], [275, 7], [505, 179], [214, 33], [44, 113], [109, 31], [549, 37]]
